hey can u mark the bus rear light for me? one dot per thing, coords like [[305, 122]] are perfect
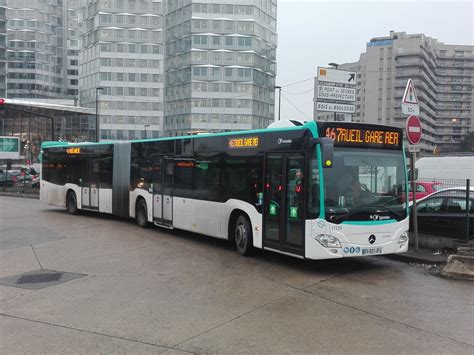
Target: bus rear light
[[328, 241]]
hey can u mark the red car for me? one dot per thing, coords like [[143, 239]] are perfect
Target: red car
[[424, 188]]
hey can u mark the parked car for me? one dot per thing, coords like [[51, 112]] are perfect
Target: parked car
[[8, 180], [443, 213], [35, 182], [424, 188], [24, 178]]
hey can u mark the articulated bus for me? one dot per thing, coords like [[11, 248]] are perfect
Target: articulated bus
[[312, 190]]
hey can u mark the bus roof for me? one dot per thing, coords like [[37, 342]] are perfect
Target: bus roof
[[311, 125]]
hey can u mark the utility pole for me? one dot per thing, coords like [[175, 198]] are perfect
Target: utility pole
[[334, 65], [97, 125], [279, 102], [146, 135]]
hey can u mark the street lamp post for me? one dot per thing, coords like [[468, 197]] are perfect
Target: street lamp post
[[146, 126], [334, 65], [279, 101], [97, 125]]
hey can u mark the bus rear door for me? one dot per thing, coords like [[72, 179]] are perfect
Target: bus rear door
[[162, 185]]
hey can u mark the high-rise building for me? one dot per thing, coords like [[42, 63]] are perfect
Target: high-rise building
[[3, 49], [443, 76], [220, 65], [35, 49], [71, 39], [121, 65]]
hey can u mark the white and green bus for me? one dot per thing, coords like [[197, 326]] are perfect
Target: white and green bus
[[312, 190]]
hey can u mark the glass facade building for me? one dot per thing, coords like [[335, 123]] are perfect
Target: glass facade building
[[220, 65], [121, 65], [35, 48], [3, 49], [33, 123]]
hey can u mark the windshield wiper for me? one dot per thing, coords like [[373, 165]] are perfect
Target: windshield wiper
[[338, 216]]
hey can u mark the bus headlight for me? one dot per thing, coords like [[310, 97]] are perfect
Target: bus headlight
[[328, 241], [403, 237]]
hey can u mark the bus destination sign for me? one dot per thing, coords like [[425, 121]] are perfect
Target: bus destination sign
[[247, 142], [75, 150], [364, 136]]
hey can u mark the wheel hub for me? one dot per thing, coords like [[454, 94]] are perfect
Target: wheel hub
[[241, 235]]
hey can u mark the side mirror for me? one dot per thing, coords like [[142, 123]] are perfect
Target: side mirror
[[327, 150]]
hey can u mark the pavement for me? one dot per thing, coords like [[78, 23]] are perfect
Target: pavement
[[132, 290]]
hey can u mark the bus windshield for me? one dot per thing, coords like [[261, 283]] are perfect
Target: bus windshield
[[365, 185]]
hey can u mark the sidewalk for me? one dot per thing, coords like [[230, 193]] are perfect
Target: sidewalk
[[422, 256]]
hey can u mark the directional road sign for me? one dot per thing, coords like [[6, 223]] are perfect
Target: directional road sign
[[9, 147], [413, 129], [410, 104], [337, 76], [336, 93], [333, 107]]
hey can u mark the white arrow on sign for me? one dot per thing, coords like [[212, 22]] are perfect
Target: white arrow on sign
[[337, 76]]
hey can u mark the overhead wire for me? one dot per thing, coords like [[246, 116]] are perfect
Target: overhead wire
[[296, 107]]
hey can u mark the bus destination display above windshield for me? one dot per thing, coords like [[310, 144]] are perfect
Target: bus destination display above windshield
[[364, 136]]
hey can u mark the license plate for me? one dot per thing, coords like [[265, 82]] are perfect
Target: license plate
[[371, 251]]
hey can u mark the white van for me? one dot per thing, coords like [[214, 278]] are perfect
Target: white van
[[446, 167]]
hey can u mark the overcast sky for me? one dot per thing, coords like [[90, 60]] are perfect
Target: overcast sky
[[312, 33]]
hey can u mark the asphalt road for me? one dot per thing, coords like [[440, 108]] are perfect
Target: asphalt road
[[160, 291]]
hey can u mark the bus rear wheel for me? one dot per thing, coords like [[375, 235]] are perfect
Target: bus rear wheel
[[141, 213], [71, 203], [243, 236]]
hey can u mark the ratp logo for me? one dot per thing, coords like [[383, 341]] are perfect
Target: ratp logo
[[377, 217]]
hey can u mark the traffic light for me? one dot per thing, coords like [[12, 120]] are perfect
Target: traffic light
[[2, 104]]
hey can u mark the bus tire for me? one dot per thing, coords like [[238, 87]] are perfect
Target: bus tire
[[141, 213], [243, 235], [71, 202]]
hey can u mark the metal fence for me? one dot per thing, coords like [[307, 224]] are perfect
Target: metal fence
[[445, 208]]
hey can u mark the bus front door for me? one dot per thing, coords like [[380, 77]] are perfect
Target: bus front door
[[283, 227], [162, 184], [90, 183]]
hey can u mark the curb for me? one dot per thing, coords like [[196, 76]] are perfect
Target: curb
[[419, 258], [19, 195]]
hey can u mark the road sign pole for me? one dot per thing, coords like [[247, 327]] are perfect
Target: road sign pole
[[413, 189]]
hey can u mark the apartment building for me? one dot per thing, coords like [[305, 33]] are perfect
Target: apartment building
[[443, 75], [220, 65]]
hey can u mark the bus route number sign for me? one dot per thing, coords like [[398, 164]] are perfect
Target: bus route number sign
[[247, 142], [363, 137]]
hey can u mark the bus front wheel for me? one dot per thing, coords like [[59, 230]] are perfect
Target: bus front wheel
[[243, 236], [141, 214], [71, 203]]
